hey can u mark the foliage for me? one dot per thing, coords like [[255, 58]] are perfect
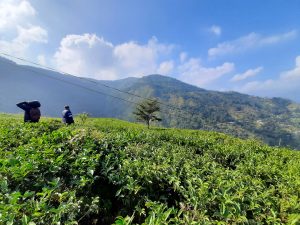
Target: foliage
[[83, 117], [113, 172], [233, 113], [146, 111]]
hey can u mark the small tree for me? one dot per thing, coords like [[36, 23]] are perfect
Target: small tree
[[146, 111], [83, 117]]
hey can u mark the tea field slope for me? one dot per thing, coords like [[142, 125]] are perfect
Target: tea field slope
[[108, 171]]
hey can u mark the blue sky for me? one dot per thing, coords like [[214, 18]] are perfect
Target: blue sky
[[247, 46]]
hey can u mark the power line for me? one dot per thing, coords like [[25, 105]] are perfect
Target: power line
[[99, 83], [93, 90], [71, 83]]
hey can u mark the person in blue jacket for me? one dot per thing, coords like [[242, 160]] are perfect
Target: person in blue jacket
[[67, 116]]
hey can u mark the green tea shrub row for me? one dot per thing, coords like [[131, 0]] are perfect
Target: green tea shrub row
[[108, 171]]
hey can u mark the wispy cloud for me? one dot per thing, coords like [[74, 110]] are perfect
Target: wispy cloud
[[252, 40], [31, 34], [42, 60], [246, 74], [286, 85], [216, 30], [166, 67], [24, 39], [17, 32], [182, 56]]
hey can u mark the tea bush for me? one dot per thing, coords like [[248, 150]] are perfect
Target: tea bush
[[108, 171]]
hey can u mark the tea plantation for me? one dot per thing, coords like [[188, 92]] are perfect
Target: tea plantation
[[107, 171]]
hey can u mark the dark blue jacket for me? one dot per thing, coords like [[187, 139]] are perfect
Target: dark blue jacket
[[67, 116]]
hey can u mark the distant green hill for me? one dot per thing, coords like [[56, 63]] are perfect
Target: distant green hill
[[108, 171], [275, 121]]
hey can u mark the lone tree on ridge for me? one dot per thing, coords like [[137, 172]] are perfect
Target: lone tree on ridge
[[146, 111]]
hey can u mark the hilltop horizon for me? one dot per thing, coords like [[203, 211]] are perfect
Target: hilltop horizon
[[133, 78]]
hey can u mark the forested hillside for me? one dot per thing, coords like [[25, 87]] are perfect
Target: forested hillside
[[107, 171], [275, 121]]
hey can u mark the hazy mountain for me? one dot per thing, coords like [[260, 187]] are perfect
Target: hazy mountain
[[275, 121], [53, 90]]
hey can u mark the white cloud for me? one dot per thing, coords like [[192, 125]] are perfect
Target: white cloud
[[247, 74], [194, 73], [84, 54], [17, 32], [31, 34], [12, 12], [252, 40], [136, 59], [90, 55], [166, 67], [216, 30], [24, 39], [287, 85]]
